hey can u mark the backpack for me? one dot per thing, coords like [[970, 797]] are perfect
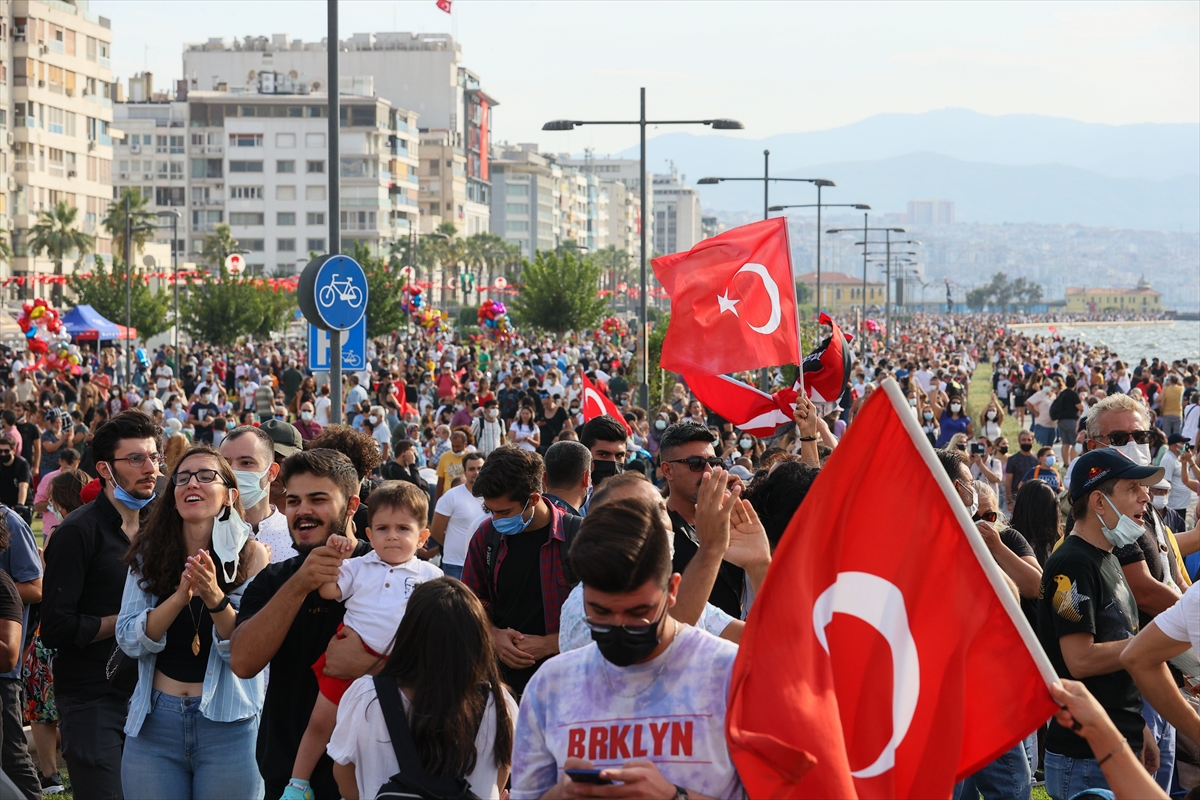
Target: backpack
[[571, 525], [411, 780], [1056, 409]]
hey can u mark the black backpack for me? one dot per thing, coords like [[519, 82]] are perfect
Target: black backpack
[[411, 781], [571, 525]]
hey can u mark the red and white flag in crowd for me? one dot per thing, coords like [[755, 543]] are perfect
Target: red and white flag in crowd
[[596, 403], [884, 656], [827, 368], [734, 302]]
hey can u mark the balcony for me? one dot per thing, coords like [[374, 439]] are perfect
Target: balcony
[[104, 61]]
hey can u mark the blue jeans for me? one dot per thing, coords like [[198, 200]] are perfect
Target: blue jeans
[[452, 570], [1043, 435], [1007, 777], [1067, 777], [1164, 737], [180, 753]]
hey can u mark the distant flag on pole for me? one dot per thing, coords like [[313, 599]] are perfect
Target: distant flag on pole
[[444, 5]]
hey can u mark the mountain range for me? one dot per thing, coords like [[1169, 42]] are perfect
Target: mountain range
[[1013, 168]]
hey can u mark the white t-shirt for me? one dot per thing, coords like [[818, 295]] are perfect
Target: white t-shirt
[[321, 410], [573, 632], [465, 512], [273, 531], [1182, 621], [670, 711], [361, 737], [376, 594]]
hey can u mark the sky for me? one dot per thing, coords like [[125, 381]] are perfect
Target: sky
[[778, 67]]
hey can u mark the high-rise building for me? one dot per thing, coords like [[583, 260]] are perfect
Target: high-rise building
[[258, 162], [422, 72], [60, 145], [676, 215], [620, 179], [930, 212]]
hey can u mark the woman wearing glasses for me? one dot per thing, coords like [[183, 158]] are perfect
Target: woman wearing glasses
[[191, 722]]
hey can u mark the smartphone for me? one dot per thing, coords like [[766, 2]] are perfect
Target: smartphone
[[587, 776]]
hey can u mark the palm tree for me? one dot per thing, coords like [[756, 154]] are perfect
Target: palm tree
[[217, 246], [139, 217], [55, 235]]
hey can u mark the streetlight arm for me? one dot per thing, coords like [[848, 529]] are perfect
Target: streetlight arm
[[859, 206]]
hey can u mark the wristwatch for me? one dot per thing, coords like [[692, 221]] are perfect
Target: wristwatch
[[221, 606], [681, 793]]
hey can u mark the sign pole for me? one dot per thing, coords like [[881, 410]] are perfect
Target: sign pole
[[335, 173]]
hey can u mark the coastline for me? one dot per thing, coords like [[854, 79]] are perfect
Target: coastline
[[1110, 323]]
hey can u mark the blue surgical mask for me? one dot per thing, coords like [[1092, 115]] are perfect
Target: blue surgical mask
[[128, 500], [1127, 531], [1049, 461], [510, 526]]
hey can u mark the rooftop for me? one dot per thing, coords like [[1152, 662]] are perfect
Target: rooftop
[[832, 278]]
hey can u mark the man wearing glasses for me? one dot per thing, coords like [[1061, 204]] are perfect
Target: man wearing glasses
[[85, 577], [686, 453]]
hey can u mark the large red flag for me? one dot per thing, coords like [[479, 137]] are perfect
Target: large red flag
[[884, 656], [733, 302], [596, 403], [749, 409]]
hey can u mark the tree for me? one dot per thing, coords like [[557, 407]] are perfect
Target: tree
[[1002, 294], [105, 292], [385, 292], [559, 293], [55, 234], [139, 217], [217, 246], [222, 308]]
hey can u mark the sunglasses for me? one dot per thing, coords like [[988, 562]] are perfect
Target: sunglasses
[[697, 463], [987, 516], [1120, 438]]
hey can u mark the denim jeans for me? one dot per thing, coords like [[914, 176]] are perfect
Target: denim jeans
[[92, 734], [453, 570], [14, 754], [1164, 737], [1043, 435], [180, 753], [1006, 778], [1067, 777], [1170, 423]]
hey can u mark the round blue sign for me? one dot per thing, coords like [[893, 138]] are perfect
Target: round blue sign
[[340, 292]]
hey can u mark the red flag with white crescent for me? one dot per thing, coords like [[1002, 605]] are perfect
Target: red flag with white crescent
[[596, 403], [748, 409], [880, 666], [444, 5]]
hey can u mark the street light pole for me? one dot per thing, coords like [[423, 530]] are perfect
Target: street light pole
[[766, 182], [128, 291], [820, 184], [864, 288], [335, 173]]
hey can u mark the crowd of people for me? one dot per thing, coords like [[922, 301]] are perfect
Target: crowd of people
[[237, 594]]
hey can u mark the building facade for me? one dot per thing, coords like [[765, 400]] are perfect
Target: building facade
[[841, 293], [677, 219], [1140, 300], [930, 212]]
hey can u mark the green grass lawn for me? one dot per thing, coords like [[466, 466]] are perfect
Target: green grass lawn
[[977, 400]]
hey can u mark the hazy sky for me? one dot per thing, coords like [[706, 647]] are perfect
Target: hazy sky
[[776, 66]]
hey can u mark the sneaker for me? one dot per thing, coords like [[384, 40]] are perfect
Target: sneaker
[[52, 784], [294, 792]]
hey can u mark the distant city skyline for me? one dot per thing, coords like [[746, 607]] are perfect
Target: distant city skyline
[[826, 64]]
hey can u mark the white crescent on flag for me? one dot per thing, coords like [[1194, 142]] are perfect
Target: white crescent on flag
[[596, 404], [772, 288]]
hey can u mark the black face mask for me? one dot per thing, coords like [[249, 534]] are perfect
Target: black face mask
[[1025, 448], [1003, 449], [622, 648], [602, 470]]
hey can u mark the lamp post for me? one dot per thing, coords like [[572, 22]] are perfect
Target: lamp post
[[865, 243], [818, 205], [887, 307], [642, 122], [130, 229], [174, 215]]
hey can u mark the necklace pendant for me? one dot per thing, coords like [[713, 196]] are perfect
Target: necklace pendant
[[196, 645]]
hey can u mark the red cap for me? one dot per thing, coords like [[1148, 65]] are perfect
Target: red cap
[[91, 491]]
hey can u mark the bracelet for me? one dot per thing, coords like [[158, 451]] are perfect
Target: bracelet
[[809, 438], [221, 606], [1113, 753]]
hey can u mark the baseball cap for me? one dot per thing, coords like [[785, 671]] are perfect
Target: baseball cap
[[1176, 438], [1097, 466], [51, 414], [287, 439]]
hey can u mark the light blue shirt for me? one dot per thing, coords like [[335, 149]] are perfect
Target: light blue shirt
[[226, 697]]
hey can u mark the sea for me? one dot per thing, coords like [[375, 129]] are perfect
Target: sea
[[1132, 341]]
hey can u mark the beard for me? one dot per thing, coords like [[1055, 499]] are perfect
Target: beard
[[335, 527]]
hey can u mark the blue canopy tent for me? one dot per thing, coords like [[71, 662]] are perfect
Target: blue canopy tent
[[85, 324]]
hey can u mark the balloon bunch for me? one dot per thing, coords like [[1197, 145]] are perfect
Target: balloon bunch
[[494, 319], [412, 300], [64, 359], [613, 326], [871, 326], [38, 320], [428, 319]]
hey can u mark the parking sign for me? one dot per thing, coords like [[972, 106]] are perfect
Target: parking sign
[[354, 348]]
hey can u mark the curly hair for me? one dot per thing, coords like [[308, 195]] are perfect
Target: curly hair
[[361, 449], [159, 553]]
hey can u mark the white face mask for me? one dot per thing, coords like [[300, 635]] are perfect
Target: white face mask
[[493, 413], [990, 414], [229, 535], [1159, 501], [374, 420], [1138, 453], [306, 416], [1126, 531], [956, 407]]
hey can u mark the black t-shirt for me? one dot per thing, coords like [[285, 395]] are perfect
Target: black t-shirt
[[176, 660], [1018, 464], [1084, 591], [29, 434], [11, 607], [731, 579], [292, 690], [1068, 399], [206, 413], [551, 426], [11, 476], [519, 596], [1013, 540]]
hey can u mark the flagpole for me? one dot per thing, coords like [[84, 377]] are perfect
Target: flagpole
[[796, 303], [982, 554]]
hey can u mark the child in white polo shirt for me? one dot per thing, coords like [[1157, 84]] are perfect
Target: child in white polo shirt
[[375, 589]]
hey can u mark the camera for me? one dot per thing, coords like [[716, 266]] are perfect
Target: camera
[[977, 449]]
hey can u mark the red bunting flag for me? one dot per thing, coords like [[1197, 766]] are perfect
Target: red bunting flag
[[882, 662], [734, 302], [596, 403], [444, 5]]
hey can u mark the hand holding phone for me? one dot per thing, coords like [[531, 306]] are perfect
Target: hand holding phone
[[587, 776]]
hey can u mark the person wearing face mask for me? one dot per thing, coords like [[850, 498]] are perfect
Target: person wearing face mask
[[201, 416], [1018, 466], [308, 426], [568, 476], [488, 429], [646, 669], [1044, 471], [251, 452], [375, 425], [1087, 614], [516, 561], [15, 474], [607, 440], [952, 420]]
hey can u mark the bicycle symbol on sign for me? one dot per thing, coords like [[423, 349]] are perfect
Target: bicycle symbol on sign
[[337, 290]]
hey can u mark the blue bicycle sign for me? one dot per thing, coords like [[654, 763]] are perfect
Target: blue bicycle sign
[[343, 290], [333, 292]]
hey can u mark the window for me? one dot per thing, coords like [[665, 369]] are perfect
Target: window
[[317, 245], [177, 144], [314, 192], [206, 168], [285, 166], [285, 245], [245, 166], [206, 220], [176, 170], [285, 140], [315, 218], [197, 140], [285, 218], [248, 219], [517, 208], [511, 225], [199, 195], [161, 146], [518, 190], [169, 196], [253, 245], [245, 140], [314, 140], [245, 193], [314, 166], [285, 192], [358, 220]]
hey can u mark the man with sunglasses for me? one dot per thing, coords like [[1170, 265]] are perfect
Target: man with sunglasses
[[84, 581], [685, 454]]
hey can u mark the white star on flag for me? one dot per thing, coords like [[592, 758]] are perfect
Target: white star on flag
[[727, 304]]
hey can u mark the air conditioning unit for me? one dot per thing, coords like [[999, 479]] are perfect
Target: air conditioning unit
[[12, 139], [12, 183], [19, 33], [71, 173], [135, 148], [91, 145], [42, 84], [70, 92], [148, 176], [124, 175], [43, 49]]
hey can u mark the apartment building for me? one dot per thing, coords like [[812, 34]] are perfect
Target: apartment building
[[255, 158], [422, 72], [56, 82], [677, 221]]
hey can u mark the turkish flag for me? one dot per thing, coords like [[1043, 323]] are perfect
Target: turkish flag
[[733, 302], [827, 368], [884, 656], [444, 5], [748, 409], [596, 403]]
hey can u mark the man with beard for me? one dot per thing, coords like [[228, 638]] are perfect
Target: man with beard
[[285, 622]]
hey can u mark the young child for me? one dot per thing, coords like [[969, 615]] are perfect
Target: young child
[[375, 589]]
